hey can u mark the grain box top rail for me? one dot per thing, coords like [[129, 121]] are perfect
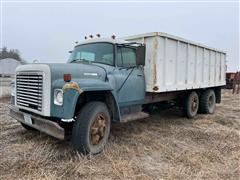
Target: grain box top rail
[[171, 37]]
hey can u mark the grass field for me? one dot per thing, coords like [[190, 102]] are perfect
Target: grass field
[[164, 146]]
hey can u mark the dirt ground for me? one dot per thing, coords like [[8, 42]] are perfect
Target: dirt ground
[[164, 146]]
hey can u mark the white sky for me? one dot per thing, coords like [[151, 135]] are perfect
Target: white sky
[[47, 31]]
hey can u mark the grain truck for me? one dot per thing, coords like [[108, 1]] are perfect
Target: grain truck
[[110, 80]]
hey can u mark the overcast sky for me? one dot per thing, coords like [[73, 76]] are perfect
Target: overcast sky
[[47, 31]]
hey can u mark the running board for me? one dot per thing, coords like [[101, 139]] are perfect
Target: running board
[[134, 116]]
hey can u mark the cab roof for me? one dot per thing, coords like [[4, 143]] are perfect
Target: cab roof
[[108, 40]]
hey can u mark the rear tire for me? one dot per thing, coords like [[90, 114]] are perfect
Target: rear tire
[[29, 128], [208, 102], [191, 104], [92, 128]]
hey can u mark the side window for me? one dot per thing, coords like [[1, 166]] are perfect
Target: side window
[[126, 57]]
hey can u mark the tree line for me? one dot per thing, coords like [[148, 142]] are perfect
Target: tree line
[[12, 53]]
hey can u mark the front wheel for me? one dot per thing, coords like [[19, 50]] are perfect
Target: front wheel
[[92, 128]]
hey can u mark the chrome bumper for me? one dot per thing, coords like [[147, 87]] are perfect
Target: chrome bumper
[[44, 125]]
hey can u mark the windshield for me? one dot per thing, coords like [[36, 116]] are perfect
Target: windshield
[[94, 52]]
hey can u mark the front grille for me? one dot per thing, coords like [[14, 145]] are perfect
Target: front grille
[[29, 86]]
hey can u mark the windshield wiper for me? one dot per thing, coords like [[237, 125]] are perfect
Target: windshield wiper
[[80, 60], [75, 60]]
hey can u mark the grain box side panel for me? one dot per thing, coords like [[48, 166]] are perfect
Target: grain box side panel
[[174, 64], [206, 67], [212, 68], [199, 70], [218, 65], [191, 66], [181, 64], [160, 63], [170, 64], [221, 68]]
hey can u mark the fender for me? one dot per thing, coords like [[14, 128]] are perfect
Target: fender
[[72, 92]]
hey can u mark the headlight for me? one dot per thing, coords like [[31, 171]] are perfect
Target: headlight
[[58, 97], [13, 91]]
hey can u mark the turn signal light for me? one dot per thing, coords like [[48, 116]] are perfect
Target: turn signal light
[[67, 77]]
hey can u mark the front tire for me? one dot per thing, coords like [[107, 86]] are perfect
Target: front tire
[[191, 104], [92, 128]]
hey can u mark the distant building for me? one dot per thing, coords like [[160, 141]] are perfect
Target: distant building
[[8, 67]]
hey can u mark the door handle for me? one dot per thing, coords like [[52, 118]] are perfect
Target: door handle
[[139, 75]]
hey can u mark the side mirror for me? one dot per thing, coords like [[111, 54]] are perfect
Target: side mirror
[[70, 52], [140, 53]]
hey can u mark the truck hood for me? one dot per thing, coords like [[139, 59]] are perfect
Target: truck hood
[[77, 71], [87, 76]]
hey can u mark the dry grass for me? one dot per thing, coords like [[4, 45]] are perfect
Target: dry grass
[[164, 146]]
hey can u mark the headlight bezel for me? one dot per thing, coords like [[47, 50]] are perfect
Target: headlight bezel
[[58, 97]]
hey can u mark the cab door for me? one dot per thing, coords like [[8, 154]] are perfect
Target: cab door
[[130, 81]]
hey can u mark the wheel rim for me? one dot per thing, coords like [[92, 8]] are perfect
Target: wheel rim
[[98, 128], [210, 101], [194, 104]]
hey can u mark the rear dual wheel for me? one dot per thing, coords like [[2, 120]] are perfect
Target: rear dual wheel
[[191, 104], [207, 102]]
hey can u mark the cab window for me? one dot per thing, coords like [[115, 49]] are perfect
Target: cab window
[[126, 57]]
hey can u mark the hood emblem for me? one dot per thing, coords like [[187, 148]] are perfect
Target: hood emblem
[[90, 74]]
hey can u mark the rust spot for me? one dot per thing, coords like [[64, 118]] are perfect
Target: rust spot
[[98, 129], [72, 85]]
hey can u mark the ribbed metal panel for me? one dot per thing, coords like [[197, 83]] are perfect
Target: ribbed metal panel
[[176, 64], [29, 87]]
